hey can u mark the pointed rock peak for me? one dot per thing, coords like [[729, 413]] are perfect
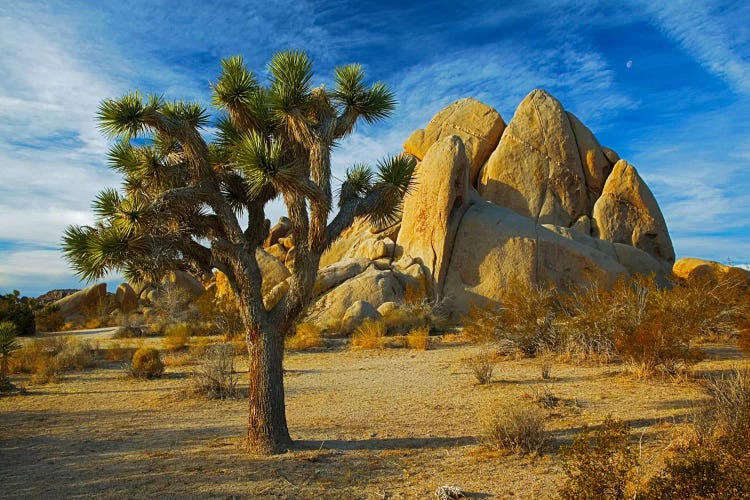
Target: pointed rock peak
[[479, 126], [536, 168], [627, 212]]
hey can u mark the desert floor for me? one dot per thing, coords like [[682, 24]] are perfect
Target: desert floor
[[393, 423]]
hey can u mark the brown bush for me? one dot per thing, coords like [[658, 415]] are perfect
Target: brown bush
[[47, 359], [146, 363], [215, 376], [516, 428], [602, 468]]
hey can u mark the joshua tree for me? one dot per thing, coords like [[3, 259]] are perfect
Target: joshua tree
[[184, 200], [8, 344]]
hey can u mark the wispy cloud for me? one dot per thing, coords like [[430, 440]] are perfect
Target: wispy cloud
[[715, 33]]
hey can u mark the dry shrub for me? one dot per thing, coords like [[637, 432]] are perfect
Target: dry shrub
[[176, 336], [200, 345], [146, 363], [306, 336], [215, 377], [418, 338], [369, 335], [526, 318], [415, 314], [518, 428], [117, 352], [482, 364], [717, 465], [545, 397], [602, 467], [49, 319], [130, 331], [46, 359]]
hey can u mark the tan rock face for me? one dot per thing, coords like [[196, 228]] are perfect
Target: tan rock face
[[495, 244], [478, 125], [81, 302], [272, 269], [126, 298], [433, 210], [356, 314], [596, 166], [536, 169], [688, 269], [627, 213], [360, 240], [372, 286]]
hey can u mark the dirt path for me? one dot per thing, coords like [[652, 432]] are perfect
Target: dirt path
[[367, 424]]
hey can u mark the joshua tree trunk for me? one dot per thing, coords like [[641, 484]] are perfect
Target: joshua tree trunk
[[267, 431], [4, 370]]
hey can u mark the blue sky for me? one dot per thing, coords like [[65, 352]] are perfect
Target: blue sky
[[678, 111]]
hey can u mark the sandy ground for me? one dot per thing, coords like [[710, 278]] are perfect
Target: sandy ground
[[394, 423]]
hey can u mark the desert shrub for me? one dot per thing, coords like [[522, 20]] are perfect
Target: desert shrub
[[730, 400], [146, 363], [176, 336], [743, 331], [17, 310], [526, 318], [601, 468], [215, 377], [306, 336], [117, 352], [369, 335], [73, 354], [418, 338], [49, 319], [482, 364], [543, 396], [47, 359], [170, 302], [413, 314], [518, 428], [545, 367]]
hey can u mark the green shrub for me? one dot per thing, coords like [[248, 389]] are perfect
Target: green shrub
[[601, 468], [146, 363], [18, 311]]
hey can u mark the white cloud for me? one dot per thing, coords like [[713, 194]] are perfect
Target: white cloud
[[717, 38]]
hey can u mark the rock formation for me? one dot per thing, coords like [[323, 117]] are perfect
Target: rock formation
[[539, 201]]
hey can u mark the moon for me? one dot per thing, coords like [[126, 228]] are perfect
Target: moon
[[629, 64]]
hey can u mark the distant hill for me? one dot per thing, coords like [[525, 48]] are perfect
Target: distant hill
[[53, 295]]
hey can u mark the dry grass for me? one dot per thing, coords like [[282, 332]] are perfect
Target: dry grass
[[306, 336], [47, 359], [176, 337], [419, 339], [369, 335], [215, 376]]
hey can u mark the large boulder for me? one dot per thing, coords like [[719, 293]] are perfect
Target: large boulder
[[81, 303], [272, 269], [126, 298], [536, 168], [434, 208], [690, 269], [332, 276], [356, 314], [627, 212], [280, 230], [495, 245], [372, 286], [360, 240], [478, 125]]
